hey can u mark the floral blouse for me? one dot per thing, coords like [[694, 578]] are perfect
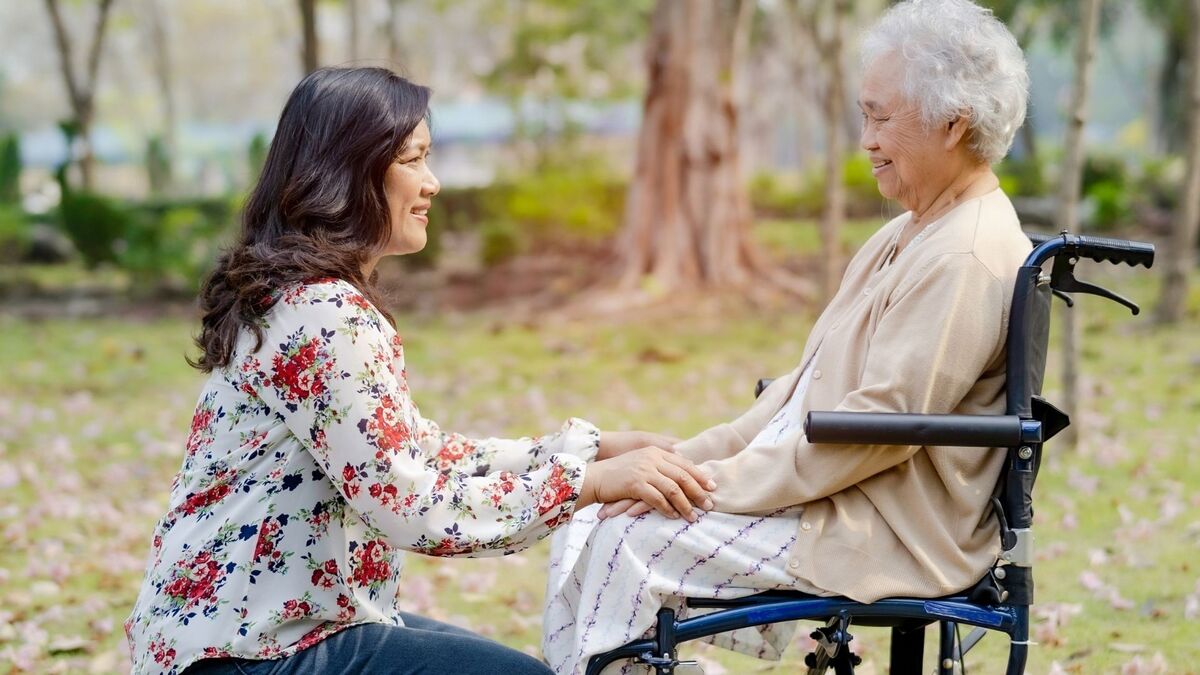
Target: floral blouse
[[308, 471]]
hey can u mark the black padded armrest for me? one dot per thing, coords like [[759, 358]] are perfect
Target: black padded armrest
[[979, 431]]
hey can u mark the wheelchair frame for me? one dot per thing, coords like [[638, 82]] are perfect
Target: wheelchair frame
[[1001, 600]]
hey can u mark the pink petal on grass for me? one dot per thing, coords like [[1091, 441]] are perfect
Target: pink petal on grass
[[1157, 665], [1091, 581]]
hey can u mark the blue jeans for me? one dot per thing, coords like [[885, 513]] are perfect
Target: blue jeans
[[421, 646]]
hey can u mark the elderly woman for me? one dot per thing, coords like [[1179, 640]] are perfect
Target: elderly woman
[[918, 325]]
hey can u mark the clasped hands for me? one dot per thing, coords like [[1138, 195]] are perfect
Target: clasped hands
[[637, 471]]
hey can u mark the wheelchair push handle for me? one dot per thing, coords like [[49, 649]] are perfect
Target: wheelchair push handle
[[1100, 249], [977, 431]]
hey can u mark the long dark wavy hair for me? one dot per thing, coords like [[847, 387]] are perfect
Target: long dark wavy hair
[[319, 209]]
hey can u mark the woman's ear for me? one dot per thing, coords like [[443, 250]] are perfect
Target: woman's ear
[[956, 130]]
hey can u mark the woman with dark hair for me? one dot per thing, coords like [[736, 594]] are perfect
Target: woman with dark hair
[[309, 469]]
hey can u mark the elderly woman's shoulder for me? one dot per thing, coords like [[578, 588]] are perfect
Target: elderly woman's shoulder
[[993, 234]]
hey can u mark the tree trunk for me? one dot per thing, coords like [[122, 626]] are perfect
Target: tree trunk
[[161, 61], [828, 42], [833, 212], [1068, 214], [1180, 254], [1170, 108], [687, 220], [310, 48], [81, 94]]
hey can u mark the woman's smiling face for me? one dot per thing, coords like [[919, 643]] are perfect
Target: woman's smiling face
[[410, 186], [907, 159]]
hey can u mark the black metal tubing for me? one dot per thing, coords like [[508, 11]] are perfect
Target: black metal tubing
[[976, 431], [946, 648], [907, 650]]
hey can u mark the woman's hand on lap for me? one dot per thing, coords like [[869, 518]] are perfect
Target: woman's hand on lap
[[663, 480]]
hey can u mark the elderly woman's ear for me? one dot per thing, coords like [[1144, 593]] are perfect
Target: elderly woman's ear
[[956, 131]]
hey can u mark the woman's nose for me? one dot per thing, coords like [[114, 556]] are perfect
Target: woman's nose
[[431, 185], [866, 139]]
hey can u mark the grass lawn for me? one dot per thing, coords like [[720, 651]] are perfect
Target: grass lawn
[[93, 415]]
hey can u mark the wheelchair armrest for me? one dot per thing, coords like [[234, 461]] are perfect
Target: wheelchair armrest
[[979, 431]]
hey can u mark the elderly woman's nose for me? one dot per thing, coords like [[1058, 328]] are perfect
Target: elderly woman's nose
[[866, 137]]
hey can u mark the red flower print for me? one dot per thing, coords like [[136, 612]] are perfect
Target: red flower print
[[357, 300], [163, 655], [205, 498], [556, 490], [326, 575], [196, 581], [371, 564], [386, 427], [347, 610]]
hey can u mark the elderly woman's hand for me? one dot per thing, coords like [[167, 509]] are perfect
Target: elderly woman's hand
[[630, 507], [614, 443], [663, 480]]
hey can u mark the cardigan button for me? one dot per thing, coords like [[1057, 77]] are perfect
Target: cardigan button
[[816, 374], [794, 563], [806, 526]]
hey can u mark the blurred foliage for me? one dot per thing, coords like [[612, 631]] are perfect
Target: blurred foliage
[[565, 48], [774, 195], [10, 168], [499, 241], [1112, 205], [1105, 183], [570, 198], [1022, 177], [1103, 168], [566, 198], [169, 245], [95, 224], [14, 233], [1160, 182]]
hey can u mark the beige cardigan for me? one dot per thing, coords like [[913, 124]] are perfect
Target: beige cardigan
[[924, 334]]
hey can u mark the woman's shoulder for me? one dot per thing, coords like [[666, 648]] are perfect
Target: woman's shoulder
[[986, 228], [325, 300]]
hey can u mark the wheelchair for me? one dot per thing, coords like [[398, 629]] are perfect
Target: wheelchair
[[998, 602]]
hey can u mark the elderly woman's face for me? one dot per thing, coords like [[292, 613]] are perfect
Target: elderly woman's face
[[907, 159]]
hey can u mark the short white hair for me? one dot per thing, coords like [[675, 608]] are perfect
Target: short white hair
[[958, 59]]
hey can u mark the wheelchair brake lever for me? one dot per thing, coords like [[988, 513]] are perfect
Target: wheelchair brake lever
[[1063, 281]]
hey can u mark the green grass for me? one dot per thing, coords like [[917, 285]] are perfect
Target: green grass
[[93, 415]]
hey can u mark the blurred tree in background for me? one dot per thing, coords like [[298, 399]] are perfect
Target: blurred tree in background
[[81, 90]]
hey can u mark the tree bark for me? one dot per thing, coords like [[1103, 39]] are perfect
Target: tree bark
[[310, 47], [829, 43], [81, 94], [1180, 254], [687, 219], [161, 61], [1069, 189]]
